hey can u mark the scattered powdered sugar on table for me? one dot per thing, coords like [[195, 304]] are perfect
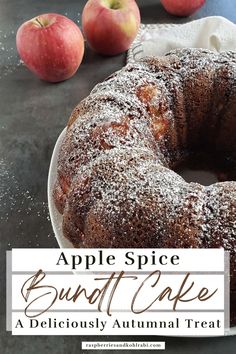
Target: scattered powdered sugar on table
[[20, 205], [9, 59]]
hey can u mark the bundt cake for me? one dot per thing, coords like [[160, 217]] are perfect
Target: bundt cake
[[116, 184]]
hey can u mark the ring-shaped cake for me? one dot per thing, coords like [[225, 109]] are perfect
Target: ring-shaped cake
[[116, 184]]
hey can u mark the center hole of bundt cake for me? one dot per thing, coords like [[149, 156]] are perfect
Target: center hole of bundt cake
[[206, 168]]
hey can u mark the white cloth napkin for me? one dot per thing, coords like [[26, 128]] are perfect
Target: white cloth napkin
[[215, 33]]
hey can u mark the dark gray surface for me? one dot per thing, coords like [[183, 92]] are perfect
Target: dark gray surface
[[32, 114]]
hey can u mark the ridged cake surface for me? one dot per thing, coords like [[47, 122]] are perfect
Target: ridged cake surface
[[116, 186]]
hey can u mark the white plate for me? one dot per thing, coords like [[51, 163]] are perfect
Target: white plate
[[56, 217]]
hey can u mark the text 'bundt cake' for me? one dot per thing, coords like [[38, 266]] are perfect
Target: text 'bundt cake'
[[116, 186]]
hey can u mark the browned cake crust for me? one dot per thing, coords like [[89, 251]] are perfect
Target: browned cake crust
[[116, 186]]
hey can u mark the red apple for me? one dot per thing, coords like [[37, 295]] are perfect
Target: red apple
[[51, 46], [110, 26], [182, 7]]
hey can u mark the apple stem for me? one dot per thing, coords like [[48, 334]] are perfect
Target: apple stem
[[115, 5], [37, 20]]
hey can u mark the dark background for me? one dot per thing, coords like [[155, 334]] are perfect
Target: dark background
[[32, 115]]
